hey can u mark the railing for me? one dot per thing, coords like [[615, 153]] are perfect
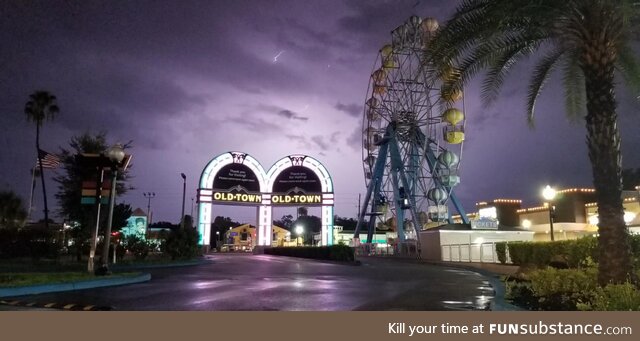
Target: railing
[[482, 253], [395, 250]]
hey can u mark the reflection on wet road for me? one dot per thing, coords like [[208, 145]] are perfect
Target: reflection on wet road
[[248, 282]]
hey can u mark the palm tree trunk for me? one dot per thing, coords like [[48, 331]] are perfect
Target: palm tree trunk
[[603, 141], [44, 190]]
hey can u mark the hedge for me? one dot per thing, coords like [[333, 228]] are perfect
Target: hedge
[[574, 253], [36, 243], [570, 289], [340, 253]]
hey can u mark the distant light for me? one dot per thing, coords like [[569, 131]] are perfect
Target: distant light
[[593, 220], [299, 229], [629, 216], [526, 223]]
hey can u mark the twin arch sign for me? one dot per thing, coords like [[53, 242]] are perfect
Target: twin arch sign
[[236, 178]]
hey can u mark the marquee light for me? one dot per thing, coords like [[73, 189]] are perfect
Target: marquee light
[[237, 197], [296, 199]]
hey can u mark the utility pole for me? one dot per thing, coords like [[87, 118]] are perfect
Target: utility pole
[[359, 197], [184, 189], [149, 196]]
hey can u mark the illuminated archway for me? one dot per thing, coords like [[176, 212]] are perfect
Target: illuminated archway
[[297, 180], [232, 178]]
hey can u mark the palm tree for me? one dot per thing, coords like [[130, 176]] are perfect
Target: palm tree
[[589, 40], [41, 105]]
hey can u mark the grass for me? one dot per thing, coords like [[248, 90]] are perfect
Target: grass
[[36, 278]]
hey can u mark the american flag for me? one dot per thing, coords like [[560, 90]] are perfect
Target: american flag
[[49, 161]]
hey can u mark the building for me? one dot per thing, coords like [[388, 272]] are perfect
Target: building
[[574, 213], [243, 238]]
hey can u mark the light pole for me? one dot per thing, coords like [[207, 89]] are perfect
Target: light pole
[[549, 194], [149, 196], [184, 188], [116, 155], [299, 230]]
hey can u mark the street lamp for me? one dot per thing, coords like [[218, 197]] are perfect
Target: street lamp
[[299, 230], [184, 188], [549, 194], [116, 155]]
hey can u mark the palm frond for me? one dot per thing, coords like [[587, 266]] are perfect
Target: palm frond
[[574, 89], [629, 68], [500, 67], [540, 76]]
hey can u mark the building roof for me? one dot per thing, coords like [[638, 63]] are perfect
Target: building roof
[[138, 212]]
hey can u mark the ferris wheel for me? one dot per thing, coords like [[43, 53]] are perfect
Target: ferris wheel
[[413, 135]]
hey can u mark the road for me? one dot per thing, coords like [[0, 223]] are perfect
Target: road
[[231, 282]]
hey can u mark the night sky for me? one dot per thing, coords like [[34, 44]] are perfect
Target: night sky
[[188, 80]]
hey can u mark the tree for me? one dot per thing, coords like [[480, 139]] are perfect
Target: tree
[[12, 212], [70, 187], [311, 224], [302, 211], [285, 222], [348, 224], [588, 40], [221, 224], [41, 105], [121, 213], [630, 179]]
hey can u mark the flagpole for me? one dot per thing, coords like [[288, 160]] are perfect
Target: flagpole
[[33, 187]]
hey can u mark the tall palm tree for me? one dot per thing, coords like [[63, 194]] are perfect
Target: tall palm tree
[[588, 40], [41, 105]]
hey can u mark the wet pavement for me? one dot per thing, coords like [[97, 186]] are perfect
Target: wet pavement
[[249, 282]]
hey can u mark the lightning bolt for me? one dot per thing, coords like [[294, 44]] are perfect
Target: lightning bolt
[[275, 59]]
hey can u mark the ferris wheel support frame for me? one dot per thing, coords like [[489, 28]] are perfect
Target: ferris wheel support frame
[[388, 145]]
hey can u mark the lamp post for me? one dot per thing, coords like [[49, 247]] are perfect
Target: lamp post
[[184, 188], [299, 230], [116, 155], [549, 194], [149, 196]]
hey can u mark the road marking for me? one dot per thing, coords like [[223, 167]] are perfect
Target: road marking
[[69, 306], [31, 304], [49, 305], [89, 307]]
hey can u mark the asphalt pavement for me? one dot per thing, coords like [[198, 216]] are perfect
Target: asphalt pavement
[[231, 282]]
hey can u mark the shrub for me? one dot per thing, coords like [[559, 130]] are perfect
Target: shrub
[[36, 243], [138, 246], [554, 289], [340, 253], [577, 253], [501, 251], [181, 244], [614, 297]]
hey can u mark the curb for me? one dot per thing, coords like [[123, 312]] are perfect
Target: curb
[[88, 284], [157, 266], [59, 306], [498, 303]]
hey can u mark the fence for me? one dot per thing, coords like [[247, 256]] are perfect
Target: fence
[[482, 253], [407, 249]]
